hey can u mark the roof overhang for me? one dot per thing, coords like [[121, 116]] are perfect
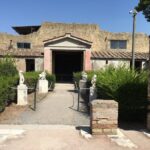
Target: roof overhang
[[24, 30], [118, 55]]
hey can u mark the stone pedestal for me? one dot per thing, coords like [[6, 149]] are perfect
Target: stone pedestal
[[43, 86], [93, 94], [104, 117], [83, 90], [22, 94]]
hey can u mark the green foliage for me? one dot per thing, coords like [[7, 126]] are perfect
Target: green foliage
[[51, 80], [144, 6], [127, 87], [76, 78], [7, 94], [31, 79], [7, 67]]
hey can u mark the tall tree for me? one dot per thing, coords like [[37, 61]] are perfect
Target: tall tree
[[144, 6]]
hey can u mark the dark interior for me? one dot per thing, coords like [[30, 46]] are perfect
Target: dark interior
[[30, 65], [65, 63]]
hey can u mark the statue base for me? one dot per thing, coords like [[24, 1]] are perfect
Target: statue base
[[43, 86], [22, 94]]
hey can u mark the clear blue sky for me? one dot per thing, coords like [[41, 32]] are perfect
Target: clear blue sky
[[111, 15]]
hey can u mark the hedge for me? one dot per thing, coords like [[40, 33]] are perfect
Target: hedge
[[127, 87], [7, 67], [31, 79], [8, 94]]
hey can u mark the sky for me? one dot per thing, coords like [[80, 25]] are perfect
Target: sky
[[110, 15]]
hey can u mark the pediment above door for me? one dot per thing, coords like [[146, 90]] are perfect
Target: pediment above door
[[67, 41]]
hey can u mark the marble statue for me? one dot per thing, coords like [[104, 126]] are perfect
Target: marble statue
[[42, 76], [84, 76], [21, 77], [93, 81]]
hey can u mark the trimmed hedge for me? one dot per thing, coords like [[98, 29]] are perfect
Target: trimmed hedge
[[127, 87], [31, 79], [8, 95]]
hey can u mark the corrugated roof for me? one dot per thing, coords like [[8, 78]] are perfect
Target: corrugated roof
[[109, 54]]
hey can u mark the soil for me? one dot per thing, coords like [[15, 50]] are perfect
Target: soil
[[13, 111]]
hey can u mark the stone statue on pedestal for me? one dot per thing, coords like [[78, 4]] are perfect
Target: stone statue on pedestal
[[21, 77], [22, 90], [84, 76], [42, 76], [93, 81], [43, 83]]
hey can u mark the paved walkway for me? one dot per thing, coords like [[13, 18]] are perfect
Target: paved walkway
[[59, 107], [56, 137]]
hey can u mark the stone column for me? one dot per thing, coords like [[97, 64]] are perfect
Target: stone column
[[87, 60], [48, 60], [104, 117], [22, 94]]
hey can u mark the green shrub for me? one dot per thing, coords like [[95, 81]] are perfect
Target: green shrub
[[31, 79], [8, 72], [7, 67], [127, 87], [51, 80], [7, 94], [76, 78]]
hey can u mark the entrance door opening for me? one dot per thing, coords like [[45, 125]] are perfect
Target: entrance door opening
[[65, 63]]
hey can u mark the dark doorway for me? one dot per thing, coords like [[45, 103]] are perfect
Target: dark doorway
[[30, 65], [138, 65], [65, 63]]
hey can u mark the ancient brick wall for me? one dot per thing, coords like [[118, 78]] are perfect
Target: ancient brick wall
[[104, 117], [91, 32]]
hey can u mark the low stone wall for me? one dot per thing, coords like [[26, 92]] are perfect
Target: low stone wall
[[104, 117]]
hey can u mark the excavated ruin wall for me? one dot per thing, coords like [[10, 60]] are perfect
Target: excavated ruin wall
[[91, 32]]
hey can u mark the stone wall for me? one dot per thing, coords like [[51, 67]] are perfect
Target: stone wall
[[99, 64], [21, 63], [104, 117], [91, 32]]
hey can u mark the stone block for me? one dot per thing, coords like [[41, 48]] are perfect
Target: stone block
[[104, 117], [22, 94], [43, 86]]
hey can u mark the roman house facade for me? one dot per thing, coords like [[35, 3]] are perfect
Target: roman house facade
[[66, 48]]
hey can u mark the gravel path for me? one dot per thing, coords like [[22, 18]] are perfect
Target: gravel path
[[59, 107]]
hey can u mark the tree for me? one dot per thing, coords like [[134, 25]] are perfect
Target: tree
[[144, 6]]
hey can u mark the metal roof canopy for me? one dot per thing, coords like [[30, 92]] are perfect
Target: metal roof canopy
[[24, 30]]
